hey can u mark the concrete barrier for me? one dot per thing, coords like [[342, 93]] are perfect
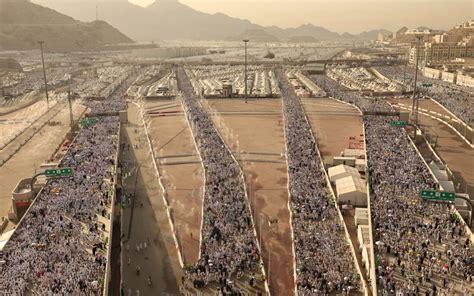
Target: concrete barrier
[[108, 272], [203, 171], [372, 271]]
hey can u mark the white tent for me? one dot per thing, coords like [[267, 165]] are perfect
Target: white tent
[[352, 190], [341, 171]]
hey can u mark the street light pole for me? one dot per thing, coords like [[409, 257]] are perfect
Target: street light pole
[[245, 74], [44, 74], [416, 79], [405, 72], [71, 116]]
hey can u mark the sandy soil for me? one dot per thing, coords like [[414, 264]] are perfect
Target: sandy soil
[[181, 170], [266, 178]]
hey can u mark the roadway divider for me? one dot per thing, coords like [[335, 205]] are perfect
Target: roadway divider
[[372, 271], [30, 137], [20, 223], [108, 272], [203, 171], [341, 218], [439, 117], [466, 227], [289, 208]]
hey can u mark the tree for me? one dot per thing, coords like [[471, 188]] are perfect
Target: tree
[[269, 55]]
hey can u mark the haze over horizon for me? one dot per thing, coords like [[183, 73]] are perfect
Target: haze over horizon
[[341, 16]]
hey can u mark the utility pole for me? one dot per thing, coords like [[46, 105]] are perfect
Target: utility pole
[[71, 117], [415, 80], [44, 74], [245, 74], [405, 71]]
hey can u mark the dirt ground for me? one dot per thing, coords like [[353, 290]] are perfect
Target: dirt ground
[[333, 123], [181, 170], [254, 132]]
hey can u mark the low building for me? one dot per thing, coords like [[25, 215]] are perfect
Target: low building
[[351, 190], [341, 171], [431, 52], [449, 76], [432, 73], [361, 216], [465, 79], [22, 197]]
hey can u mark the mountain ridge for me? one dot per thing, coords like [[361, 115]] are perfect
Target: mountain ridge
[[23, 24], [158, 20]]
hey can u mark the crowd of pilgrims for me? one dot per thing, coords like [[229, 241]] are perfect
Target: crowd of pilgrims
[[323, 258], [115, 101], [50, 251], [421, 247], [456, 98], [228, 246], [60, 246]]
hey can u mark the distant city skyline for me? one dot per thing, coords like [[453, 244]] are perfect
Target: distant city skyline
[[353, 16]]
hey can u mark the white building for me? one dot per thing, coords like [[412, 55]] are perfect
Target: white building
[[352, 190]]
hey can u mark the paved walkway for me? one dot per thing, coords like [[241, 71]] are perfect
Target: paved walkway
[[159, 260]]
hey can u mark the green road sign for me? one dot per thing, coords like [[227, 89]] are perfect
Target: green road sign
[[399, 123], [438, 195], [88, 122], [59, 172], [427, 84]]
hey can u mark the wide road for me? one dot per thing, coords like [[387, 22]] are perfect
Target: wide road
[[452, 149], [159, 260]]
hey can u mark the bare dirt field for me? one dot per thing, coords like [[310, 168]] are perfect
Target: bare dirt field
[[181, 171], [254, 133], [333, 123]]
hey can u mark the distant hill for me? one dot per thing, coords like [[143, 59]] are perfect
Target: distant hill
[[175, 20], [172, 20], [259, 36], [23, 24], [302, 39], [372, 35], [311, 30]]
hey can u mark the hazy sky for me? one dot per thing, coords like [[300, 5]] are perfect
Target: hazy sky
[[341, 15]]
